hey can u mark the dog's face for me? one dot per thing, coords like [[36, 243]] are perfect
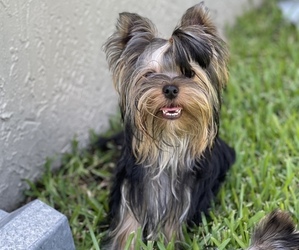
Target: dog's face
[[169, 89]]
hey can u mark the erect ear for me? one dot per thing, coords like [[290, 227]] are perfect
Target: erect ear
[[130, 25], [196, 40], [130, 28], [198, 15]]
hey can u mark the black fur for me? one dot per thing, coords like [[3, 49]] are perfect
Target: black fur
[[205, 179]]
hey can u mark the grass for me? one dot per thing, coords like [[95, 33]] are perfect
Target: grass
[[259, 118]]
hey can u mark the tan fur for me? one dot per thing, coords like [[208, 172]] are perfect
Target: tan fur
[[197, 97], [194, 60], [128, 225]]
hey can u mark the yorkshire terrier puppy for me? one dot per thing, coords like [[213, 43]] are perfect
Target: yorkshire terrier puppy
[[172, 161], [275, 232]]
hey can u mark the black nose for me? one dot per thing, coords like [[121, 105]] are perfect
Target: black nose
[[170, 91]]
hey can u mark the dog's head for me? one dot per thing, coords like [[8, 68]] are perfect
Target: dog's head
[[169, 88]]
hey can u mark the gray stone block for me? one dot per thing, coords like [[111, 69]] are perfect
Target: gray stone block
[[35, 226], [2, 214]]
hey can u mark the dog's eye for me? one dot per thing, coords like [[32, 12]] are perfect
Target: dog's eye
[[189, 74], [148, 74]]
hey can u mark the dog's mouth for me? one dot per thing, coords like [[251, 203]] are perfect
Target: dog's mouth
[[171, 112]]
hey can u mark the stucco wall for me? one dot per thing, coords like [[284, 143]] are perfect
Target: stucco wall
[[54, 81]]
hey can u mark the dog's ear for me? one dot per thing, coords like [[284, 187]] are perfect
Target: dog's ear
[[196, 40], [133, 33], [130, 27], [193, 37], [131, 24], [198, 15]]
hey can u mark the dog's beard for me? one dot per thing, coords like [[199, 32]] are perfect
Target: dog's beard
[[172, 126]]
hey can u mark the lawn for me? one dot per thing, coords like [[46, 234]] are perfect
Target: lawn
[[260, 117]]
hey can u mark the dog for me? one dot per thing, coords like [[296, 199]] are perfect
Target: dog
[[275, 232], [172, 161]]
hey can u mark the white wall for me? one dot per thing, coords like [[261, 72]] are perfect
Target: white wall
[[54, 81]]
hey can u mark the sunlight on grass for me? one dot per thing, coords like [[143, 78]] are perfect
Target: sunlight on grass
[[259, 118]]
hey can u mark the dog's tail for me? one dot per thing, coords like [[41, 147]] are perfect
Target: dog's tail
[[276, 232]]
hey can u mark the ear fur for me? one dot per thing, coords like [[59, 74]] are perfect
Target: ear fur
[[131, 24], [198, 15], [196, 40], [130, 27]]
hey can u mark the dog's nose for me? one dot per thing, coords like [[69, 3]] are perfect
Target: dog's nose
[[170, 91]]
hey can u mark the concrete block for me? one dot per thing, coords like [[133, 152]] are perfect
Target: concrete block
[[35, 226], [2, 214]]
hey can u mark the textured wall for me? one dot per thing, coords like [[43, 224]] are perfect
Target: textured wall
[[54, 81]]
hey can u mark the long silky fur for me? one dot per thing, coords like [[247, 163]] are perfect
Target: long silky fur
[[162, 203], [170, 170], [276, 232]]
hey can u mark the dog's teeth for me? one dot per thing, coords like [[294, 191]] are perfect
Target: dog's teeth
[[171, 113]]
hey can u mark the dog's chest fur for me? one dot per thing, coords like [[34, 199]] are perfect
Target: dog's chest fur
[[168, 203], [165, 194]]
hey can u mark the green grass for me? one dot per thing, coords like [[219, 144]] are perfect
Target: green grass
[[259, 118]]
